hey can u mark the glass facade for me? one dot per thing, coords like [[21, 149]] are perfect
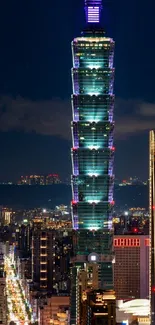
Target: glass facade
[[93, 151], [92, 130]]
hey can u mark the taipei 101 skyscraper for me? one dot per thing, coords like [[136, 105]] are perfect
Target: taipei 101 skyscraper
[[92, 157]]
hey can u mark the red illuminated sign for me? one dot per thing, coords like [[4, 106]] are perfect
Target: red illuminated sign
[[127, 242]]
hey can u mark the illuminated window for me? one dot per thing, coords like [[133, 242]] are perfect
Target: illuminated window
[[93, 258], [147, 242]]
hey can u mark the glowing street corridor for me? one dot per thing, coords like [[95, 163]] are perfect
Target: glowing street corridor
[[18, 308]]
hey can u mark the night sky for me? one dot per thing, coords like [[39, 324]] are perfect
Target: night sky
[[35, 83]]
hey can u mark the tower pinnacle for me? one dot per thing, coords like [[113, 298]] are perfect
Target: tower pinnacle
[[93, 11]]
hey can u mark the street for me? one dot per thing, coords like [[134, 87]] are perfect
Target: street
[[18, 308]]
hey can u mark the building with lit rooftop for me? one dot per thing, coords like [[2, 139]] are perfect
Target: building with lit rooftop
[[131, 267], [135, 311], [92, 151]]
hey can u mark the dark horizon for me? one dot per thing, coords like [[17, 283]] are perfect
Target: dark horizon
[[26, 196]]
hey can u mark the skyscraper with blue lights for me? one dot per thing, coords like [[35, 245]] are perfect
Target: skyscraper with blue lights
[[93, 150]]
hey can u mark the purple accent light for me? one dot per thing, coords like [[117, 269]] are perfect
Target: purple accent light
[[76, 170], [93, 14], [76, 196], [93, 10], [75, 225]]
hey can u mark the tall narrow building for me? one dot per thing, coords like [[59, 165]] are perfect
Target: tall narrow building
[[152, 225], [92, 151]]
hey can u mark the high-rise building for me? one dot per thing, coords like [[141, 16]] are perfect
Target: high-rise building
[[51, 253], [93, 150], [53, 310], [94, 305], [98, 307], [131, 267], [152, 225], [23, 240], [5, 216]]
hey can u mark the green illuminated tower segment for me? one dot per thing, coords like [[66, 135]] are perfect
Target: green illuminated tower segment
[[92, 130]]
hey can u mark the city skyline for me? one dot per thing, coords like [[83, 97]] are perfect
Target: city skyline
[[90, 260], [35, 101]]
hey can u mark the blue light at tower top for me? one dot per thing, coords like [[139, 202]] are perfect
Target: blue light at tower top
[[93, 10]]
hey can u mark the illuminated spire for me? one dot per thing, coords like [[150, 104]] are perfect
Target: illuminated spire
[[93, 11]]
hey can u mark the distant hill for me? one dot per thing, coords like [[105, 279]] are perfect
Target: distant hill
[[132, 196], [26, 196]]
